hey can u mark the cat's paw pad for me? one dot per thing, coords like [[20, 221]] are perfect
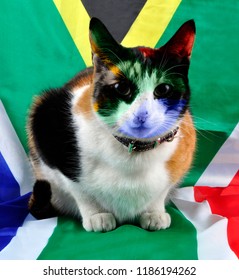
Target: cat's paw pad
[[155, 220], [100, 222]]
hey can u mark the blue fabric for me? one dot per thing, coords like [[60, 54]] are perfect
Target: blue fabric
[[6, 235], [9, 187], [13, 206], [12, 216]]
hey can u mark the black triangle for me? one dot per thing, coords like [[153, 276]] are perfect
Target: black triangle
[[118, 16]]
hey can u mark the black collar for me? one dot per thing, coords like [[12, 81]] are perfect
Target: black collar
[[140, 146]]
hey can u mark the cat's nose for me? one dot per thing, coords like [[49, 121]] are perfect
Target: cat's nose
[[141, 117]]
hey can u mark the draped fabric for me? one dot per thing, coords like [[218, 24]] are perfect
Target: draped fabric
[[43, 45]]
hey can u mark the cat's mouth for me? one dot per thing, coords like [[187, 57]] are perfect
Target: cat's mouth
[[142, 133]]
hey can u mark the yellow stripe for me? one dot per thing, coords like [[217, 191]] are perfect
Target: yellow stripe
[[151, 23], [77, 22]]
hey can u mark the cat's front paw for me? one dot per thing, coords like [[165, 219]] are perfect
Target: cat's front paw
[[155, 220], [100, 222]]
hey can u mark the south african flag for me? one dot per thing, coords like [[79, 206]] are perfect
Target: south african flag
[[45, 43]]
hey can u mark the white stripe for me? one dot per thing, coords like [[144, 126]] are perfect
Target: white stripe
[[224, 165], [14, 153], [211, 228], [30, 240]]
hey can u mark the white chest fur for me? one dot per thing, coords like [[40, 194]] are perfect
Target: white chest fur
[[122, 183]]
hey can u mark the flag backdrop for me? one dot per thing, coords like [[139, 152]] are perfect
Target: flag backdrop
[[44, 44]]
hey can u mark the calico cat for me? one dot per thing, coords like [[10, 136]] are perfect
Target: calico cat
[[111, 144]]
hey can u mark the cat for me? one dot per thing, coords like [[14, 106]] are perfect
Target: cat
[[111, 144]]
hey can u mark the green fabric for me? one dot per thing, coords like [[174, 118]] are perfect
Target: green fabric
[[36, 53], [127, 242]]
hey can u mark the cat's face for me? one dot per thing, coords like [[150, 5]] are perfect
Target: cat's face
[[141, 93]]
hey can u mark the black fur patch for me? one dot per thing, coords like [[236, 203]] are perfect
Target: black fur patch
[[54, 132], [40, 202]]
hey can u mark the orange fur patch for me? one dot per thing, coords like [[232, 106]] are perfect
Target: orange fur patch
[[94, 47], [115, 70], [84, 103], [182, 158], [96, 106]]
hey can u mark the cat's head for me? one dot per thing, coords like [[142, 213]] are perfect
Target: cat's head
[[141, 93]]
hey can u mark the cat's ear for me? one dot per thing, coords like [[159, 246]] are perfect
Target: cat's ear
[[182, 41], [102, 42]]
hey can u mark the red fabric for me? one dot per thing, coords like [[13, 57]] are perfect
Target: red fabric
[[224, 201]]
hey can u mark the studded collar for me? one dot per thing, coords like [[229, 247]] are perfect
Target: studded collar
[[140, 146]]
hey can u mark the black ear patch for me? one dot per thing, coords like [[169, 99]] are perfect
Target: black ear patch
[[54, 132], [104, 45]]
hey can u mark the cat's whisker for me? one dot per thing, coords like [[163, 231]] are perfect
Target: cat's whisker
[[112, 52], [203, 133], [164, 60], [204, 120], [175, 66], [173, 73]]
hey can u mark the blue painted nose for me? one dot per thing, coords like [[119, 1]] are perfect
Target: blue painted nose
[[141, 117]]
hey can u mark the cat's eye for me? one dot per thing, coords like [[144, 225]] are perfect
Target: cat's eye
[[163, 90], [122, 88]]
